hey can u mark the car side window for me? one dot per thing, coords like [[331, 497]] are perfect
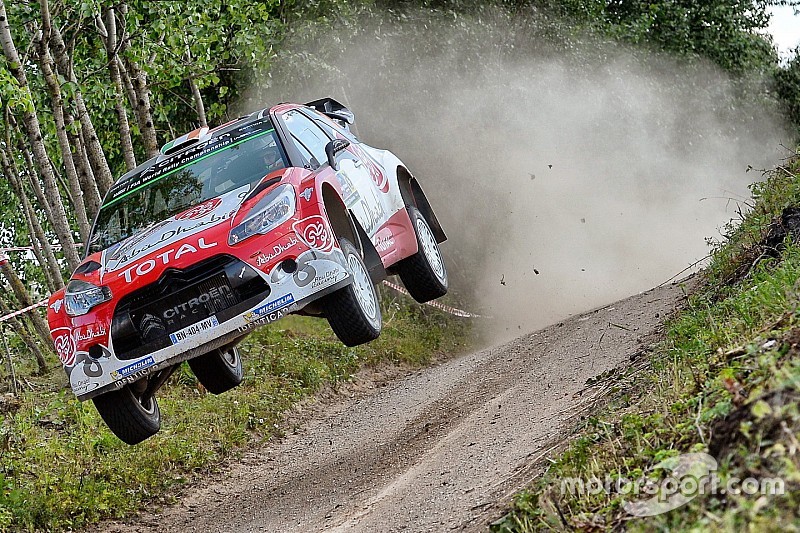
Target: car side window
[[332, 128], [308, 157], [309, 138]]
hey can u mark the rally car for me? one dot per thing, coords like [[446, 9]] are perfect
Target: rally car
[[281, 211]]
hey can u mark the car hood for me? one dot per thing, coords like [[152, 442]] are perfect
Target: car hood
[[167, 232]]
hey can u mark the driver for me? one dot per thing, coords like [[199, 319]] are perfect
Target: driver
[[272, 158]]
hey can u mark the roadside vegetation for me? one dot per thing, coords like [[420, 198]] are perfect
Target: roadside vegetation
[[62, 468], [725, 381], [90, 89]]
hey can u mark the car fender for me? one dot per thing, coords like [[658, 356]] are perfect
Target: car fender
[[407, 189]]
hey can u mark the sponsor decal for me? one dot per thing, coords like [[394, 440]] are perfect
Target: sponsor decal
[[374, 214], [65, 348], [264, 320], [194, 329], [162, 234], [89, 333], [199, 211], [84, 385], [306, 194], [191, 306], [89, 366], [378, 177], [168, 166], [120, 251], [277, 250], [151, 325], [303, 275], [56, 306], [126, 253], [314, 232], [328, 278], [269, 308], [133, 367], [132, 378], [145, 267], [384, 242], [349, 192]]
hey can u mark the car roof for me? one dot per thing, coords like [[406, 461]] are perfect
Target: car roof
[[210, 134]]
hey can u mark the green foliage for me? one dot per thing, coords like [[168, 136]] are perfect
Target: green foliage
[[62, 468], [721, 30], [787, 87]]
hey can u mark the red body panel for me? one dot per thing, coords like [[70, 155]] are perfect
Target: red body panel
[[207, 226]]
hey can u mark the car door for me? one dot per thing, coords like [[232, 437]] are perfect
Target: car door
[[360, 190]]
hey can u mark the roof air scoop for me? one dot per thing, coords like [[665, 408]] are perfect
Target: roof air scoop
[[196, 136]]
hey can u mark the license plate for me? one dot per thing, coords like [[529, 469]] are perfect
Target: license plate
[[194, 329]]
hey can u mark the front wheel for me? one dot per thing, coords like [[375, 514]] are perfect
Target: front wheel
[[424, 273], [131, 417], [353, 311], [219, 370]]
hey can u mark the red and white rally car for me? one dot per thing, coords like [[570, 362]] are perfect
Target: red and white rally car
[[282, 211]]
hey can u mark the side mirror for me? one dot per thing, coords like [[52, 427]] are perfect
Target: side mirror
[[333, 148]]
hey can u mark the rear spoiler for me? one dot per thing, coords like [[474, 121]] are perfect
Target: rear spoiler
[[333, 109]]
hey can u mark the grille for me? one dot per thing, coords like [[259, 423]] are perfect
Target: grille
[[143, 320]]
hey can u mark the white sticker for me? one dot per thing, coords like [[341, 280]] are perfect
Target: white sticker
[[194, 329]]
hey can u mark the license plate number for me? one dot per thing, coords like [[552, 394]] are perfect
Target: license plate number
[[194, 329]]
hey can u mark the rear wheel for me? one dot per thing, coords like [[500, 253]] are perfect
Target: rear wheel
[[130, 416], [353, 311], [424, 274], [219, 370]]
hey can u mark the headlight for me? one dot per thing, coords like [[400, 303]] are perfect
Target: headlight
[[81, 296], [271, 211]]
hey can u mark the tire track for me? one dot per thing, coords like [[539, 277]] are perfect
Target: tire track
[[433, 451]]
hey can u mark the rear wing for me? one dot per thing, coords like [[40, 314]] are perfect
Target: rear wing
[[334, 110]]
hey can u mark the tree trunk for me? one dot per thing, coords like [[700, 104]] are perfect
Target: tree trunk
[[57, 103], [24, 298], [93, 148], [144, 114], [50, 264], [198, 103], [33, 346], [34, 133], [127, 84], [141, 93], [30, 171], [110, 41], [91, 196], [39, 255], [19, 328]]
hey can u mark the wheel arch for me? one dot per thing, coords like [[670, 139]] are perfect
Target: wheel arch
[[344, 225], [413, 195], [339, 218]]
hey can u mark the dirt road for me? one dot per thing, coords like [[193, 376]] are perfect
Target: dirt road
[[433, 451]]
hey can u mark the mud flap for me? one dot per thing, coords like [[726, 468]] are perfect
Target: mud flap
[[372, 260]]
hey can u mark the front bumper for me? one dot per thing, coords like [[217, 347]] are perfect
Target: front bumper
[[317, 273]]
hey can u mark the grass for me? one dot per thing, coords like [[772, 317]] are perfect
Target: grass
[[725, 381], [62, 468]]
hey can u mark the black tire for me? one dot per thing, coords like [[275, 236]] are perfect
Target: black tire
[[131, 418], [353, 311], [424, 274], [219, 370]]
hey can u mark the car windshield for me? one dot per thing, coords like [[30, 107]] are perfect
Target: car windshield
[[208, 170]]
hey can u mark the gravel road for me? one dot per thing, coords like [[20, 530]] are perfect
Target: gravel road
[[433, 451]]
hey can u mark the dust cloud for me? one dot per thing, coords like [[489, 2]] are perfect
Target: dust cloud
[[567, 172]]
